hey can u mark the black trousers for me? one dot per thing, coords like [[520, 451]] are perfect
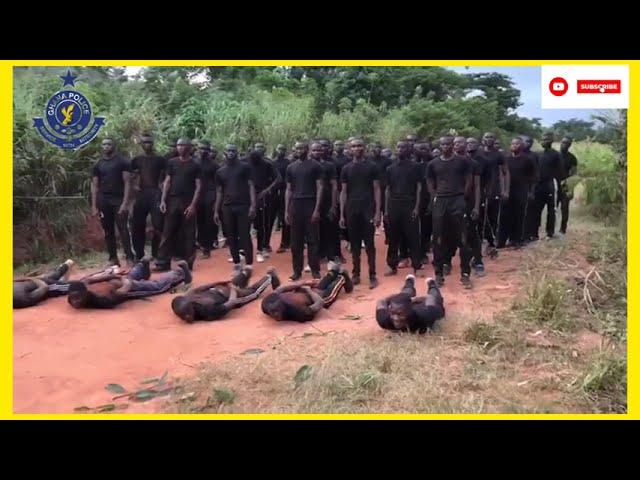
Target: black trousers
[[513, 219], [426, 227], [207, 228], [147, 203], [179, 233], [544, 197], [564, 198], [329, 234], [402, 229], [110, 219], [449, 232], [361, 228], [236, 228], [473, 236], [492, 205], [263, 223], [303, 231], [278, 202]]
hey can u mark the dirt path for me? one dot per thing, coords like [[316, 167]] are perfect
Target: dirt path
[[63, 358]]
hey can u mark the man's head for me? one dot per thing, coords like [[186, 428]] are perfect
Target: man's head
[[356, 147], [273, 306], [338, 146], [317, 151], [446, 146], [375, 148], [400, 310], [472, 145], [281, 151], [460, 145], [516, 145], [184, 147], [403, 149], [422, 150], [78, 296], [204, 149], [326, 147], [547, 140], [301, 149], [386, 152], [230, 153], [108, 146], [565, 144], [146, 142], [412, 139], [261, 148], [183, 308], [489, 140], [527, 143], [436, 152]]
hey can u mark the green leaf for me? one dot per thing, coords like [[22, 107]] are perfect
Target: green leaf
[[224, 395], [106, 408], [83, 408], [303, 373], [253, 351], [144, 395], [115, 388]]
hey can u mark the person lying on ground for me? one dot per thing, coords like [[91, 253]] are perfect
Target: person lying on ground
[[404, 311], [135, 285], [301, 301], [214, 300]]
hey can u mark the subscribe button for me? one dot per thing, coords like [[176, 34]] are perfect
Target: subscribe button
[[585, 86]]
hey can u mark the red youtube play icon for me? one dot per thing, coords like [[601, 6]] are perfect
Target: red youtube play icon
[[558, 86]]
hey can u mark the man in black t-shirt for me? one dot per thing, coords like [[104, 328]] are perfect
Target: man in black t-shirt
[[360, 208], [448, 178], [530, 227], [340, 159], [565, 194], [494, 185], [475, 222], [236, 201], [214, 300], [550, 172], [406, 312], [110, 197], [180, 195], [207, 228], [281, 163], [303, 197], [301, 301], [265, 179], [328, 230], [150, 168], [422, 156], [403, 194], [522, 170]]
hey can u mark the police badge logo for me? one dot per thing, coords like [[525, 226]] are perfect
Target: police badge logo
[[68, 118]]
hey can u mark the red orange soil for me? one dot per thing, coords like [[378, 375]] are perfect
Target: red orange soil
[[64, 358]]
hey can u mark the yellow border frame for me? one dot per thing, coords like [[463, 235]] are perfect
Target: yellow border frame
[[6, 189]]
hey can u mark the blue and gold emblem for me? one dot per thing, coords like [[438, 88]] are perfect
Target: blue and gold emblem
[[68, 120]]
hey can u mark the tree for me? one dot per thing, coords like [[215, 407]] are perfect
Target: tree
[[574, 128]]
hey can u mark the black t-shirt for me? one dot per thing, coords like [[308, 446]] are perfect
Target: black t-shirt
[[209, 170], [420, 320], [382, 163], [340, 161], [281, 165], [302, 175], [234, 181], [109, 173], [422, 166], [550, 165], [359, 177], [150, 168], [402, 179], [328, 174], [263, 173], [450, 176], [490, 180], [522, 170], [569, 161], [476, 170], [183, 177]]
